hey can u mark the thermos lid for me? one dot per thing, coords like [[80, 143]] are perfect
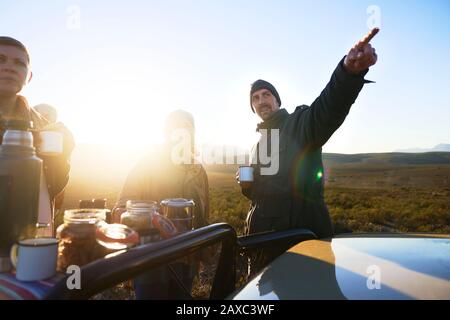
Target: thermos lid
[[178, 202], [18, 133]]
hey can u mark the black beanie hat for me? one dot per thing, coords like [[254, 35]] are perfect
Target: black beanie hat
[[262, 84]]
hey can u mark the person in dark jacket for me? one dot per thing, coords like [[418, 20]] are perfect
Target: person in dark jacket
[[287, 191]]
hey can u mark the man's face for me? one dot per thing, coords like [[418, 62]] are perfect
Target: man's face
[[13, 69], [264, 103]]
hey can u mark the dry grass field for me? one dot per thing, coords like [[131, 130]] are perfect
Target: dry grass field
[[361, 197]]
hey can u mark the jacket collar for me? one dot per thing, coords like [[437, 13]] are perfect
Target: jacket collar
[[276, 121]]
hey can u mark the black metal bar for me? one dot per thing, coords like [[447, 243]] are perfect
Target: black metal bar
[[105, 273], [179, 282], [102, 274], [261, 240], [225, 279]]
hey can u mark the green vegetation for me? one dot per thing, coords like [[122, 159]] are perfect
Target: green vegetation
[[361, 198], [401, 210]]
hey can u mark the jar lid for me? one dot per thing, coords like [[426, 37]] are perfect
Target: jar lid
[[116, 236], [178, 202], [164, 225], [141, 204], [91, 216]]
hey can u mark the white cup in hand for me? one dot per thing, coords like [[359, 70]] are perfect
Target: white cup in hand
[[51, 143]]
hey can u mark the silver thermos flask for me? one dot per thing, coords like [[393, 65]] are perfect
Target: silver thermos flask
[[20, 174]]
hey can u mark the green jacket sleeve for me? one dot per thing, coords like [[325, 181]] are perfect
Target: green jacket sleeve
[[328, 111]]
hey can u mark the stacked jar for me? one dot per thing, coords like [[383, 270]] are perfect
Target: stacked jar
[[78, 237]]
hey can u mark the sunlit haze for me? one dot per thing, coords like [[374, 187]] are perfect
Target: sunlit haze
[[114, 70]]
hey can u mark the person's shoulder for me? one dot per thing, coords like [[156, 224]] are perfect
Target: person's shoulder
[[39, 121], [202, 170], [198, 170], [299, 112], [23, 109], [300, 109]]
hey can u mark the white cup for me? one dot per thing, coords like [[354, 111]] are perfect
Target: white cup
[[35, 259], [245, 176], [51, 143]]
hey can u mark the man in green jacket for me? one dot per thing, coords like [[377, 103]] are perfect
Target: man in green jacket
[[287, 191]]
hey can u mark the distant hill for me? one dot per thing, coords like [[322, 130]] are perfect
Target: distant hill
[[443, 147], [385, 159], [393, 158]]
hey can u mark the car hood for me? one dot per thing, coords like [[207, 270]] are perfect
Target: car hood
[[358, 266]]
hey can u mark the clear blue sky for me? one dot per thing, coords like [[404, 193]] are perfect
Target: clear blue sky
[[114, 69]]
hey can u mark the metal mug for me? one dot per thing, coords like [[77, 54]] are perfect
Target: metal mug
[[246, 176], [35, 259]]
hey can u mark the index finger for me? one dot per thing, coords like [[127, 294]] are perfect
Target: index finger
[[368, 37]]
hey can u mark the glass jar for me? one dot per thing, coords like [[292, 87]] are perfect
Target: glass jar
[[139, 215], [77, 235], [149, 236]]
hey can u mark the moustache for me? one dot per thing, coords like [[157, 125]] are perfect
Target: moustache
[[265, 105]]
